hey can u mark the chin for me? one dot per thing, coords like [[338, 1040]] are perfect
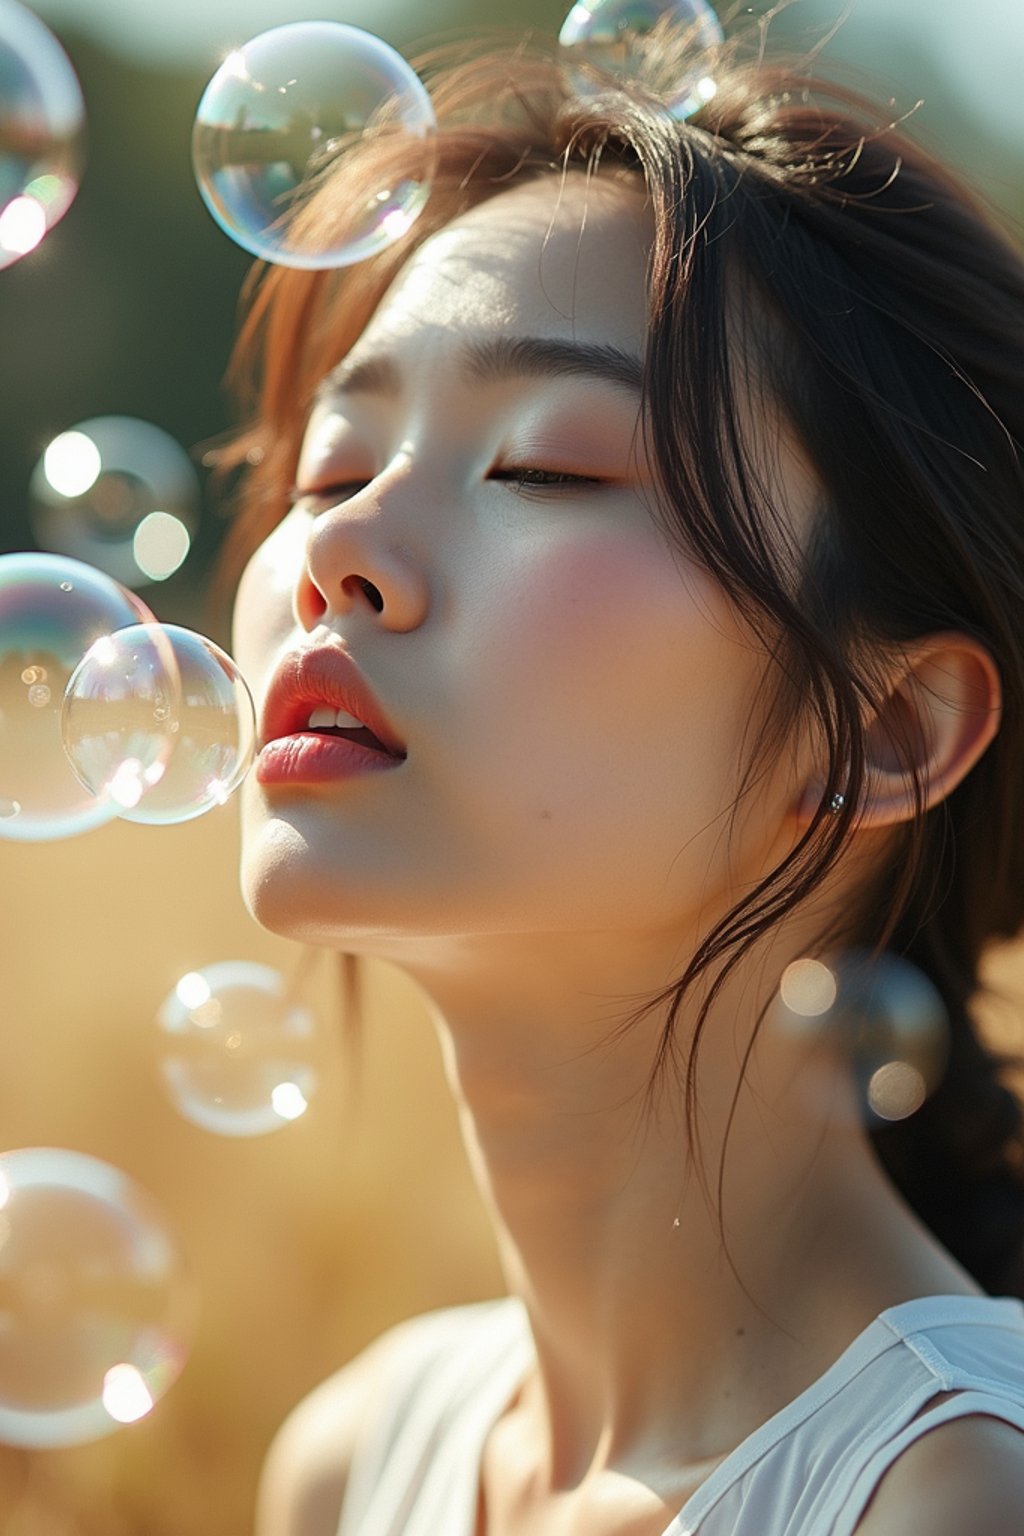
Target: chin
[[301, 889]]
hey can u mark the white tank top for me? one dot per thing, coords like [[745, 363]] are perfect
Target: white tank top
[[809, 1471]]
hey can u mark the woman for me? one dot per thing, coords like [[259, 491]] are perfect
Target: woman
[[646, 619]]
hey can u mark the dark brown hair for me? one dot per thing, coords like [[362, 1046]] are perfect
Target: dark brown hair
[[886, 318]]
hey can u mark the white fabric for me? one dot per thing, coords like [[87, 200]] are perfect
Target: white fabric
[[809, 1471]]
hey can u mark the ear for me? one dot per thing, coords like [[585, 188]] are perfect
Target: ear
[[942, 709]]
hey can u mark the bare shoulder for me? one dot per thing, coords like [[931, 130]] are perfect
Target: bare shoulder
[[964, 1478], [302, 1483]]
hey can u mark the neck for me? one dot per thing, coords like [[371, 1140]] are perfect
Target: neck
[[669, 1288]]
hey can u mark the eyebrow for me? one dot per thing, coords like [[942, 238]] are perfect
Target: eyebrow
[[495, 359]]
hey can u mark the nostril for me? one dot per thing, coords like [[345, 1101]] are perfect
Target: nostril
[[353, 584], [372, 594]]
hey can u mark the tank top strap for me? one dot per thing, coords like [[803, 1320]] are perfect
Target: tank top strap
[[960, 1405]]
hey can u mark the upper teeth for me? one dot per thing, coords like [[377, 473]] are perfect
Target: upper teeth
[[323, 719]]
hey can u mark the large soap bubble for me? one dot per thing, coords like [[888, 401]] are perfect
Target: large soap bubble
[[662, 43], [51, 612], [96, 1312], [159, 720], [286, 111], [118, 493], [41, 118], [239, 1050]]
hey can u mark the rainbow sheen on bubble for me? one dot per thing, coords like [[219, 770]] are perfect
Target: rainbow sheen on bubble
[[41, 119], [159, 720], [882, 1016], [51, 611], [96, 1311], [239, 1051], [118, 493], [288, 111], [666, 45]]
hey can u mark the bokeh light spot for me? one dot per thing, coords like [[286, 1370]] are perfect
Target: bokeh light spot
[[160, 544], [125, 1394], [72, 463]]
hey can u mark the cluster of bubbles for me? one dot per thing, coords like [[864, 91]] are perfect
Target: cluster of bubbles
[[96, 1308], [104, 712], [288, 109], [117, 493], [97, 1311], [41, 121], [881, 1017]]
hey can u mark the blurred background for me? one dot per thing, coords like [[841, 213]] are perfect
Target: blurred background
[[303, 1245]]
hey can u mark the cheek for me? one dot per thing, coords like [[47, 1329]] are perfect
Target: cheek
[[605, 657]]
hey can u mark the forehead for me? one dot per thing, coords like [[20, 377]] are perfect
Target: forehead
[[562, 257]]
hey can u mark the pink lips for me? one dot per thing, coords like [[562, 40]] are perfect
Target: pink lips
[[325, 677]]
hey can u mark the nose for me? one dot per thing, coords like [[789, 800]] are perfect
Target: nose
[[355, 561]]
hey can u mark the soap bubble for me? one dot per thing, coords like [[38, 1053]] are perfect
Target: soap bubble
[[883, 1014], [159, 720], [287, 110], [51, 612], [239, 1050], [118, 493], [614, 37], [41, 119], [95, 1311]]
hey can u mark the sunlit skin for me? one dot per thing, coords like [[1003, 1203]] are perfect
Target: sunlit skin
[[576, 700]]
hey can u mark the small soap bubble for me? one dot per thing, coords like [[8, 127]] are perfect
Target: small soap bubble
[[96, 1313], [239, 1052], [159, 720], [51, 611], [118, 493], [288, 110], [664, 44], [883, 1015], [41, 120]]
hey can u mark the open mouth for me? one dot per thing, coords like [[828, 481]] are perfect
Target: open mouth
[[336, 723]]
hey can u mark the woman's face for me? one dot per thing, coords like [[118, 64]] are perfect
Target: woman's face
[[572, 697]]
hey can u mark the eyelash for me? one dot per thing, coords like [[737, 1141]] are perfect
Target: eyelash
[[524, 480]]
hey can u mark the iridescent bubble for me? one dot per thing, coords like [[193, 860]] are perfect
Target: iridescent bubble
[[239, 1050], [884, 1016], [96, 1314], [288, 110], [41, 120], [159, 720], [122, 712], [51, 611], [663, 44], [118, 493]]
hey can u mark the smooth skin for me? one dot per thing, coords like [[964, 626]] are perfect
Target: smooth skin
[[576, 700]]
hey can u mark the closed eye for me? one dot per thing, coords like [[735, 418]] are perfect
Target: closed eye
[[527, 478], [328, 496]]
